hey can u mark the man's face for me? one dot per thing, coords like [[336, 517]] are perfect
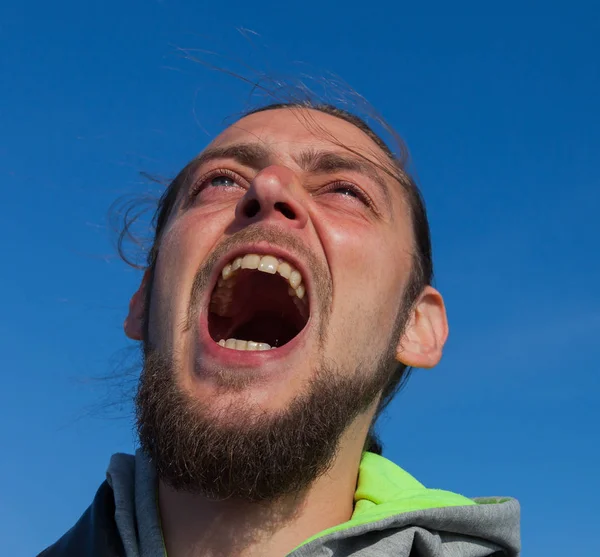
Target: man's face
[[280, 189], [273, 319]]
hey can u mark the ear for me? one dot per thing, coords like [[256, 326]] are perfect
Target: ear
[[426, 332], [134, 322]]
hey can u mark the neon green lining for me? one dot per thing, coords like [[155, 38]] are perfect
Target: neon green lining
[[384, 490]]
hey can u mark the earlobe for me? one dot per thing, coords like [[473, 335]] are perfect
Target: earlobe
[[134, 322], [426, 332]]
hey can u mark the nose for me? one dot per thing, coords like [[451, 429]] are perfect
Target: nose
[[274, 196]]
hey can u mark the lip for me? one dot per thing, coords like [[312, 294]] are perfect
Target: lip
[[251, 358]]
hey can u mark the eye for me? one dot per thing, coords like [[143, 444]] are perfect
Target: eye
[[349, 191], [221, 181], [345, 191], [218, 181]]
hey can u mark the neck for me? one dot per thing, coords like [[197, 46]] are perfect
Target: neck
[[194, 525]]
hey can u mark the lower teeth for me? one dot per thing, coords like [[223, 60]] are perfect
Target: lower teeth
[[235, 344]]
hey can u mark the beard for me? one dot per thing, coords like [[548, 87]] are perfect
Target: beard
[[243, 452]]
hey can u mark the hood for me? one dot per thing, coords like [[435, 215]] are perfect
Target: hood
[[394, 515], [392, 509]]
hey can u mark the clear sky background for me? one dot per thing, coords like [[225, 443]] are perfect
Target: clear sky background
[[502, 117]]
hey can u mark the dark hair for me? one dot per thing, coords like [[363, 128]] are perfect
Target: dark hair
[[395, 165]]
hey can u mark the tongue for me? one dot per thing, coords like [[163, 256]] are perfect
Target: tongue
[[266, 326]]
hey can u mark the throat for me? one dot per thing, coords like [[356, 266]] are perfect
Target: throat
[[257, 309], [238, 528]]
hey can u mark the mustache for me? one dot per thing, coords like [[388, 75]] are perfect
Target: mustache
[[321, 278]]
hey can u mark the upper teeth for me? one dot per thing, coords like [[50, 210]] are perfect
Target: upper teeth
[[267, 264]]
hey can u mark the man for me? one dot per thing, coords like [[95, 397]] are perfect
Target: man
[[287, 292]]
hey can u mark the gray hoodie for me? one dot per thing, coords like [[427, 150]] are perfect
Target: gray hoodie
[[394, 515]]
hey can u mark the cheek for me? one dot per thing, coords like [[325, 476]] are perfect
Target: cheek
[[184, 246], [187, 241], [366, 257], [370, 266]]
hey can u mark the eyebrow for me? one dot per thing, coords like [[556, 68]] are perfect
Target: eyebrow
[[252, 155], [257, 156]]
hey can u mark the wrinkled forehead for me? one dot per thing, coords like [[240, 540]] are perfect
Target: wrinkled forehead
[[287, 131]]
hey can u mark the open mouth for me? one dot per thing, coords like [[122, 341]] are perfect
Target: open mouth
[[259, 303]]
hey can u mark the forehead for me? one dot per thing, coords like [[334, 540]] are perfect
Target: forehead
[[291, 130]]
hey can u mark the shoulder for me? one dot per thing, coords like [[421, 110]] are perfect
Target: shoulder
[[95, 534]]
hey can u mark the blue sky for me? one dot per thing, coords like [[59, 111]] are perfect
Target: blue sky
[[501, 116]]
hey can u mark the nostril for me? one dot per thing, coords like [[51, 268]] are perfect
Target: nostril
[[252, 208], [285, 210]]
